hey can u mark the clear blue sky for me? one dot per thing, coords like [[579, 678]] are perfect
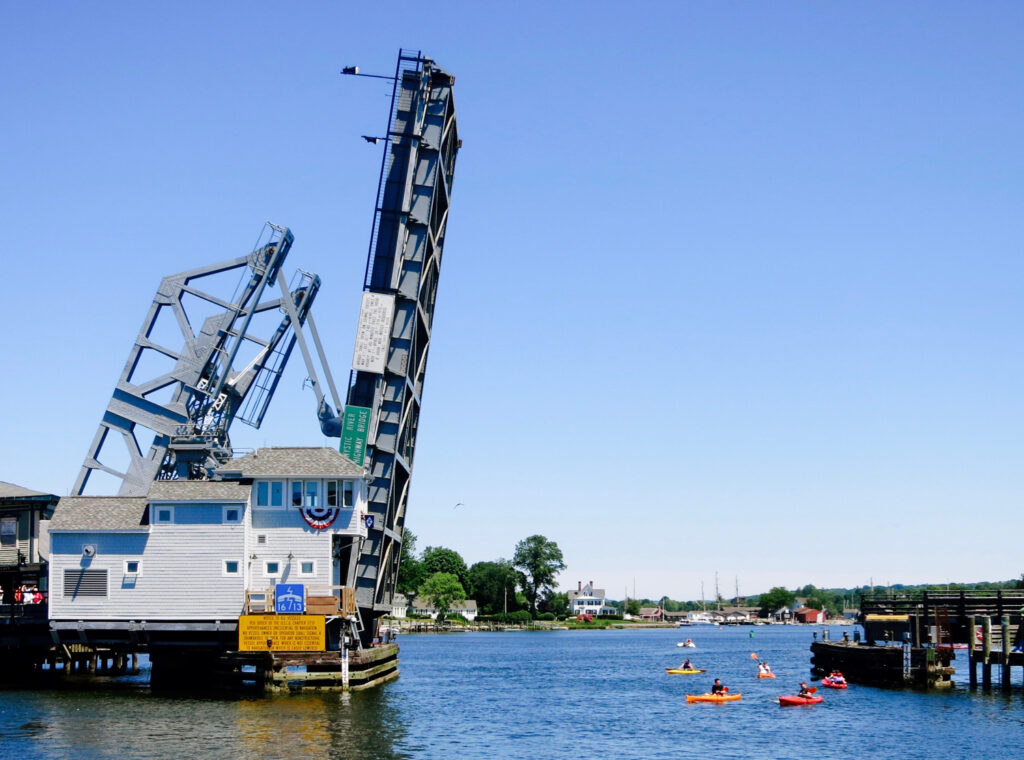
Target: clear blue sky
[[728, 287]]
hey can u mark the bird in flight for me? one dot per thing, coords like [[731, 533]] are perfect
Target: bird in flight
[[460, 504]]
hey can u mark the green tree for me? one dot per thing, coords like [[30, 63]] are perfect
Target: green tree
[[555, 603], [539, 560], [411, 572], [632, 606], [774, 599], [493, 586], [442, 589], [824, 600], [809, 590], [437, 559]]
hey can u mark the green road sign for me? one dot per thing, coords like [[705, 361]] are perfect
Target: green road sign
[[353, 433]]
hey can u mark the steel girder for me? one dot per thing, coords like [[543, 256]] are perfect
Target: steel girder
[[404, 262]]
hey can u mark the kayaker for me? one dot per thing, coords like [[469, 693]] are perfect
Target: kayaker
[[717, 687], [804, 690], [686, 665], [767, 667], [836, 677]]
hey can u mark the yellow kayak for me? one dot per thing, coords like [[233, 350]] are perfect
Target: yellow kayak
[[712, 697], [681, 672]]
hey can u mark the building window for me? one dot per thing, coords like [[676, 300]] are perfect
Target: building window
[[296, 493], [81, 582], [307, 567], [349, 500], [312, 492], [269, 493], [132, 567], [231, 567], [272, 569], [9, 531], [232, 515], [332, 493], [163, 515]]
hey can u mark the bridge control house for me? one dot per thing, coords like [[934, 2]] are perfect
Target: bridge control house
[[182, 564]]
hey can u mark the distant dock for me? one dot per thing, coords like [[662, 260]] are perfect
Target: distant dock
[[911, 639]]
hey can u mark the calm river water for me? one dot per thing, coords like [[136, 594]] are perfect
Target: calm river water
[[530, 695]]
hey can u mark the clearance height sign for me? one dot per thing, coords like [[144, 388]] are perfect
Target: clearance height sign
[[281, 633]]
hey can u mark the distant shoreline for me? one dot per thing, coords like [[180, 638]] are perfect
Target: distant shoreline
[[427, 626]]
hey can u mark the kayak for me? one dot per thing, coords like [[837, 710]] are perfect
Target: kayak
[[789, 701], [766, 675], [833, 684], [688, 644], [712, 697], [682, 672]]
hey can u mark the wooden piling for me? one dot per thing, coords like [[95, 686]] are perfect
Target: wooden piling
[[1004, 625], [972, 660]]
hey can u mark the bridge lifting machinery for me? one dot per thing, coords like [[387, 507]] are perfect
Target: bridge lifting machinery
[[208, 386], [187, 397]]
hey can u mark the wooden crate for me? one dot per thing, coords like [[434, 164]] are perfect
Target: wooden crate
[[343, 599], [321, 605]]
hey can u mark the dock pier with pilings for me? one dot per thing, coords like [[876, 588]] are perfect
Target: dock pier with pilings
[[997, 642], [912, 639]]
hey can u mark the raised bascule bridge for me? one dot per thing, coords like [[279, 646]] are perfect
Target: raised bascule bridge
[[302, 546]]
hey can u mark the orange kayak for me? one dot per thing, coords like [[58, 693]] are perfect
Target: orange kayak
[[766, 675], [712, 697]]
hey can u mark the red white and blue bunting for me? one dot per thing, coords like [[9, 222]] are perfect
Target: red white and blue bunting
[[320, 518]]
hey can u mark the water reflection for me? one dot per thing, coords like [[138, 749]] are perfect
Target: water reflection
[[568, 694], [118, 723], [319, 725]]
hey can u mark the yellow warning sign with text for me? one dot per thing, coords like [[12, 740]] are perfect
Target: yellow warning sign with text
[[281, 633]]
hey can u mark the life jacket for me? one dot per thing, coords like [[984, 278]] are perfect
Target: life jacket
[[17, 596]]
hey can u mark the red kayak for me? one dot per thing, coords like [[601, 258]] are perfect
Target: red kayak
[[790, 701], [828, 682]]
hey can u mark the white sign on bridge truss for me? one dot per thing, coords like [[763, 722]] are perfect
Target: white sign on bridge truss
[[375, 315]]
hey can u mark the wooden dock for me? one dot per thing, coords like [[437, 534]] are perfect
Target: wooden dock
[[343, 670], [912, 638], [888, 666]]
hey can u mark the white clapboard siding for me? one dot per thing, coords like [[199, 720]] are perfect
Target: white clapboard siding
[[182, 574], [285, 533]]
